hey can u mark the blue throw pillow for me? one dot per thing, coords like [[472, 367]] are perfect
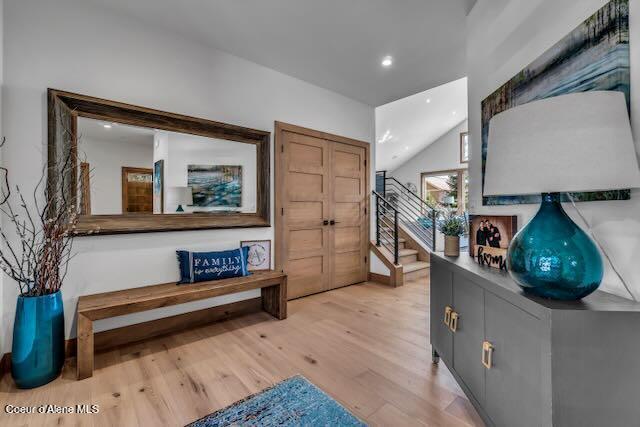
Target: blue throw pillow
[[204, 266]]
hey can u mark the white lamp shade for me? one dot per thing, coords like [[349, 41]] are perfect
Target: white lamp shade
[[181, 195], [570, 143]]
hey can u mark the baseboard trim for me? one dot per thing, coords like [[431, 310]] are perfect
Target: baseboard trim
[[154, 328], [380, 278]]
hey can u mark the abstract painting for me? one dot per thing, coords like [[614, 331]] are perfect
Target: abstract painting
[[215, 186], [158, 186], [594, 56]]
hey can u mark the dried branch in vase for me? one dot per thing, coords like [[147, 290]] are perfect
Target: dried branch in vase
[[36, 239]]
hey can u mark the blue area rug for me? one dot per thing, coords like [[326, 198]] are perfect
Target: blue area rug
[[293, 402]]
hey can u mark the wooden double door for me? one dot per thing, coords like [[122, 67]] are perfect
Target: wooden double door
[[322, 225]]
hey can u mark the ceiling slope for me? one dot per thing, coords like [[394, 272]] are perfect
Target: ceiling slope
[[407, 126], [334, 44]]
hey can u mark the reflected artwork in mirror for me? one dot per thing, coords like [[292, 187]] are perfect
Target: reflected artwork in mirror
[[146, 170], [216, 186]]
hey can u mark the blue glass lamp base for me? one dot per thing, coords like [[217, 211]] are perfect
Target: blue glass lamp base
[[552, 257]]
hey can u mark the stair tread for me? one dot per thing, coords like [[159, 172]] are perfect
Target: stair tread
[[400, 239], [401, 252], [407, 252], [415, 266]]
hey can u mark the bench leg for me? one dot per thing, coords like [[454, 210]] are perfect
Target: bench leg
[[274, 300], [84, 348]]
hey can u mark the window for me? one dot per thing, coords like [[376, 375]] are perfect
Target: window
[[464, 147], [446, 188]]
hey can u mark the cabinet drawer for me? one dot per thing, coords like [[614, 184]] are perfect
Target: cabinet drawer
[[513, 384]]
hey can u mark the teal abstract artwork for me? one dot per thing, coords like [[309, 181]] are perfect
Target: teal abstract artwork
[[214, 186], [594, 56]]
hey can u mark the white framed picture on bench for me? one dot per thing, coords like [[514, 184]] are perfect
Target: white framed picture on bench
[[259, 257]]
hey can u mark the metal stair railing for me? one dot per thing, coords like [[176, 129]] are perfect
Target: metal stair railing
[[412, 211], [387, 217]]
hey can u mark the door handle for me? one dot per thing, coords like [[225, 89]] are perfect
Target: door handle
[[333, 222], [453, 323], [447, 315], [325, 222], [487, 354]]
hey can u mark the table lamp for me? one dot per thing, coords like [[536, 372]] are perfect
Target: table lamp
[[183, 196], [580, 142]]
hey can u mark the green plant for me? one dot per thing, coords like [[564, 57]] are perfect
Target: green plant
[[452, 225]]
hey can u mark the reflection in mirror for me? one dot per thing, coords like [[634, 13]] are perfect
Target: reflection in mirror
[[135, 170]]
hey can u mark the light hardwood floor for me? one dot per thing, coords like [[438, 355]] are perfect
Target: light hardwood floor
[[365, 345]]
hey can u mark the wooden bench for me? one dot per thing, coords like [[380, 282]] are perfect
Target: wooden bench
[[110, 304]]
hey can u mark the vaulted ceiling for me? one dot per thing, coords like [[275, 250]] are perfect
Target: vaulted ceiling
[[335, 44], [407, 126]]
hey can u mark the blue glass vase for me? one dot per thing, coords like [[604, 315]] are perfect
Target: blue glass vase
[[37, 354], [552, 257]]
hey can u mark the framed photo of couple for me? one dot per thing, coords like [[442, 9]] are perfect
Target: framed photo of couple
[[489, 238]]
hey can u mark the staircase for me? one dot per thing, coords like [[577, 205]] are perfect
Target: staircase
[[405, 235], [414, 214]]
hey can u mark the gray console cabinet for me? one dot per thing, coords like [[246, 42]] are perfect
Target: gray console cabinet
[[551, 362]]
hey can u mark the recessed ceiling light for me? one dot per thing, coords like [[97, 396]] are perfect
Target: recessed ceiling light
[[107, 126], [387, 61], [454, 113], [406, 148], [428, 100]]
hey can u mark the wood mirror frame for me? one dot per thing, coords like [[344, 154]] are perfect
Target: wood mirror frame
[[64, 108]]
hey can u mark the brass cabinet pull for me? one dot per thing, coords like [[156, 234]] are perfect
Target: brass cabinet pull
[[487, 354], [453, 324], [447, 315]]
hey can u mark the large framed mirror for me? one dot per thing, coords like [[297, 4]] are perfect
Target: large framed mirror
[[134, 169]]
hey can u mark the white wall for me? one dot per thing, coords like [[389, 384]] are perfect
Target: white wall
[[106, 159], [70, 45], [376, 265], [442, 154], [503, 37]]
